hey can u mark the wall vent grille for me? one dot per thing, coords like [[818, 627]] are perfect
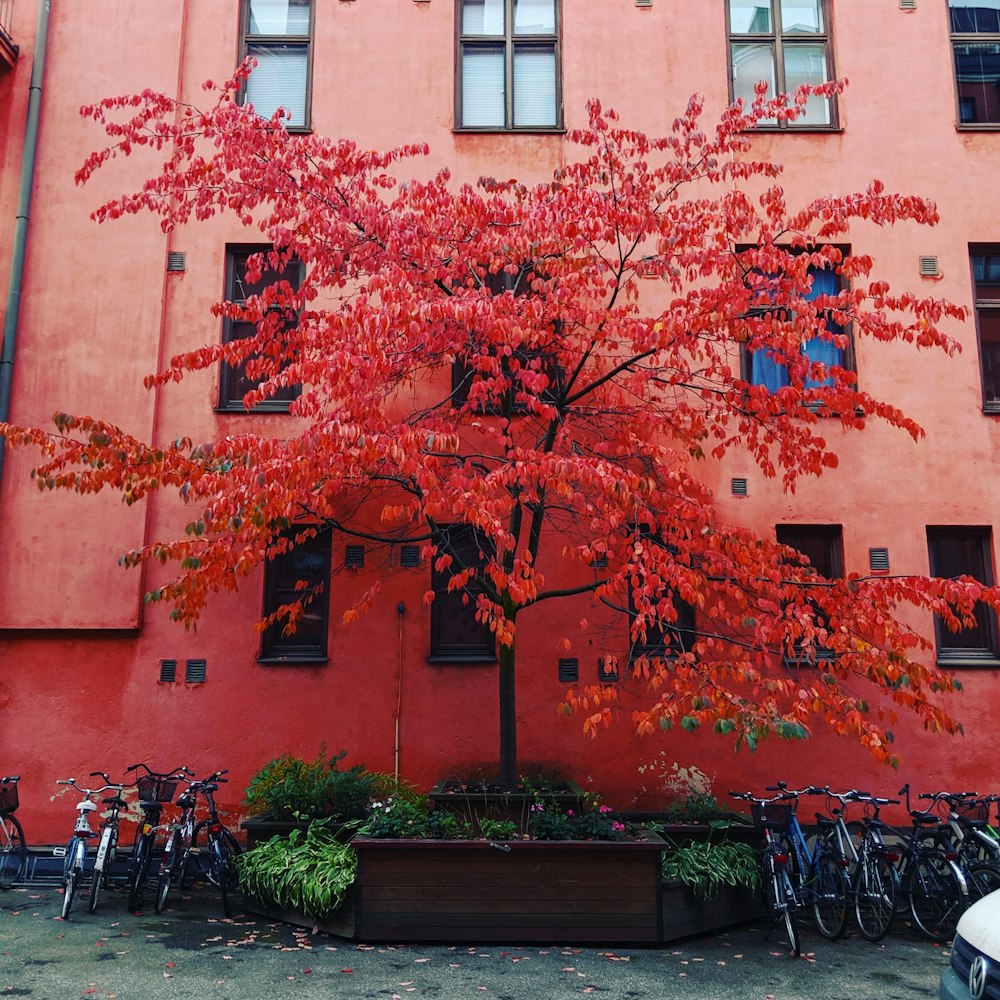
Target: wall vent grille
[[878, 560], [929, 267], [168, 671], [907, 4], [354, 556], [195, 671], [176, 261], [607, 670], [409, 556], [740, 487], [569, 670]]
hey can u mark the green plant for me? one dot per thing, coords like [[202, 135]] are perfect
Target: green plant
[[706, 867], [289, 787], [498, 829], [308, 870], [695, 807]]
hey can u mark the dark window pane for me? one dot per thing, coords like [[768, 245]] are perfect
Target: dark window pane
[[989, 348], [820, 543], [456, 635], [974, 16], [305, 570], [964, 552], [977, 69]]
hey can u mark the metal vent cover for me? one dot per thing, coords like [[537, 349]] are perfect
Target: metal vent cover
[[878, 560], [176, 261], [168, 671], [409, 556], [607, 670], [929, 267], [740, 486], [569, 670], [644, 3], [354, 556], [195, 671], [907, 4]]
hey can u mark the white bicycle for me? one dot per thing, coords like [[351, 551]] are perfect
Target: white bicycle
[[76, 851]]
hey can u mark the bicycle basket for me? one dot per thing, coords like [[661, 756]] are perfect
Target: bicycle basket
[[771, 814], [974, 811], [8, 797], [154, 789]]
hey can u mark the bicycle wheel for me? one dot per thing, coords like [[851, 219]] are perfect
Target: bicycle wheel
[[874, 890], [779, 895], [828, 889], [219, 868], [139, 870], [102, 869], [72, 875], [935, 894], [169, 867], [982, 880], [13, 852], [203, 834]]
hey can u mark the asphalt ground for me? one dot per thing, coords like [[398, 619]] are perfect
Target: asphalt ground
[[191, 953]]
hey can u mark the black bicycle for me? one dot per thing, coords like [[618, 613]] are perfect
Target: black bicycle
[[183, 856], [155, 788], [13, 850]]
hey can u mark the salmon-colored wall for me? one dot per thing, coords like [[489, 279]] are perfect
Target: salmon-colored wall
[[80, 655]]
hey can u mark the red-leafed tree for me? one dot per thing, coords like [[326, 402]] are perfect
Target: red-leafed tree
[[519, 377]]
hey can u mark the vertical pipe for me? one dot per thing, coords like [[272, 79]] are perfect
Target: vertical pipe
[[12, 318]]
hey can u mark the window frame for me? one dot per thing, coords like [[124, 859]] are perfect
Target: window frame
[[959, 38], [229, 376], [831, 538], [778, 40], [276, 648], [442, 650], [274, 41], [510, 42], [965, 656], [986, 307]]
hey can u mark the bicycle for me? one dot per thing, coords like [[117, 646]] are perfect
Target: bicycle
[[13, 849], [155, 789], [933, 883], [75, 853], [108, 845], [793, 874], [183, 845], [875, 881], [974, 841]]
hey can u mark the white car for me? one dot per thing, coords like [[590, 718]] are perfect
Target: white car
[[975, 954]]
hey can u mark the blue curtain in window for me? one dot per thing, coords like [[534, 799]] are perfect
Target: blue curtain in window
[[765, 370]]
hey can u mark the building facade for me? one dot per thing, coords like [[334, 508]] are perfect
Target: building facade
[[91, 678]]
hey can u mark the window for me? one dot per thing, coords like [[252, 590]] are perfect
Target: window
[[507, 73], [762, 368], [669, 640], [463, 375], [456, 635], [964, 551], [305, 570], [986, 278], [234, 383], [786, 43], [278, 34], [822, 545], [975, 44]]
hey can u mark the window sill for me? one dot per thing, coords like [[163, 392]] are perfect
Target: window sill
[[796, 129], [262, 408], [294, 660], [488, 130], [978, 127], [452, 659], [985, 659], [991, 409]]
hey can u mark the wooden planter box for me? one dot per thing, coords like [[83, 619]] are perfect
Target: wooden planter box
[[684, 914], [558, 892]]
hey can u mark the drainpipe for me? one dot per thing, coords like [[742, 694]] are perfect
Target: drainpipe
[[21, 227]]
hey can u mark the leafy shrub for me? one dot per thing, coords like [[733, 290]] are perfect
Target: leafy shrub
[[498, 829], [307, 870], [288, 787], [695, 807], [706, 867], [592, 822]]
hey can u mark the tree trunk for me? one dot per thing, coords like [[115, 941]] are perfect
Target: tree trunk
[[508, 719]]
